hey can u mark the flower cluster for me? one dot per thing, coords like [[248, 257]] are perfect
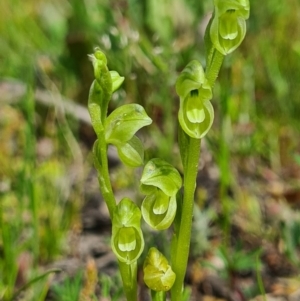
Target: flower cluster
[[122, 124]]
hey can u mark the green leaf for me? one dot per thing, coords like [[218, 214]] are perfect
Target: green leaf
[[159, 210], [131, 152], [158, 274], [117, 80], [124, 122], [160, 174], [33, 281], [127, 238]]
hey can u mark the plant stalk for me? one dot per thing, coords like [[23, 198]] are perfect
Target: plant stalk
[[101, 163], [129, 279], [179, 263], [158, 296], [212, 71]]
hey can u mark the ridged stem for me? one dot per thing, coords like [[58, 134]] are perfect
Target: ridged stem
[[158, 296], [129, 278], [212, 71], [101, 163], [179, 262]]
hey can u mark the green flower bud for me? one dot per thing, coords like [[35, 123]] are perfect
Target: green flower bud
[[104, 85], [228, 27], [160, 182], [127, 238], [102, 76], [196, 113], [158, 274]]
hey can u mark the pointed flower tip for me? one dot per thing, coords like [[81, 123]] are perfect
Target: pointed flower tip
[[91, 57], [97, 57], [191, 78]]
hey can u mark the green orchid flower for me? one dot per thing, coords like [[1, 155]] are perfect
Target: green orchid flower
[[127, 238], [228, 26], [196, 113], [160, 182]]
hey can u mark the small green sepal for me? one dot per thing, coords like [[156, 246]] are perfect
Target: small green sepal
[[228, 27], [99, 62], [124, 122], [158, 274], [127, 240], [196, 113], [117, 80], [131, 153]]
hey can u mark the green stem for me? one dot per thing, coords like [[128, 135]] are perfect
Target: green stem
[[212, 71], [158, 296], [101, 163], [190, 161], [129, 278], [260, 280], [224, 184], [184, 236]]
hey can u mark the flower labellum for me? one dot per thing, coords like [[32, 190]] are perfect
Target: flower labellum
[[228, 27], [160, 182], [196, 113], [127, 238]]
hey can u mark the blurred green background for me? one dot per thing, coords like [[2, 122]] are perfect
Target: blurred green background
[[44, 153]]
